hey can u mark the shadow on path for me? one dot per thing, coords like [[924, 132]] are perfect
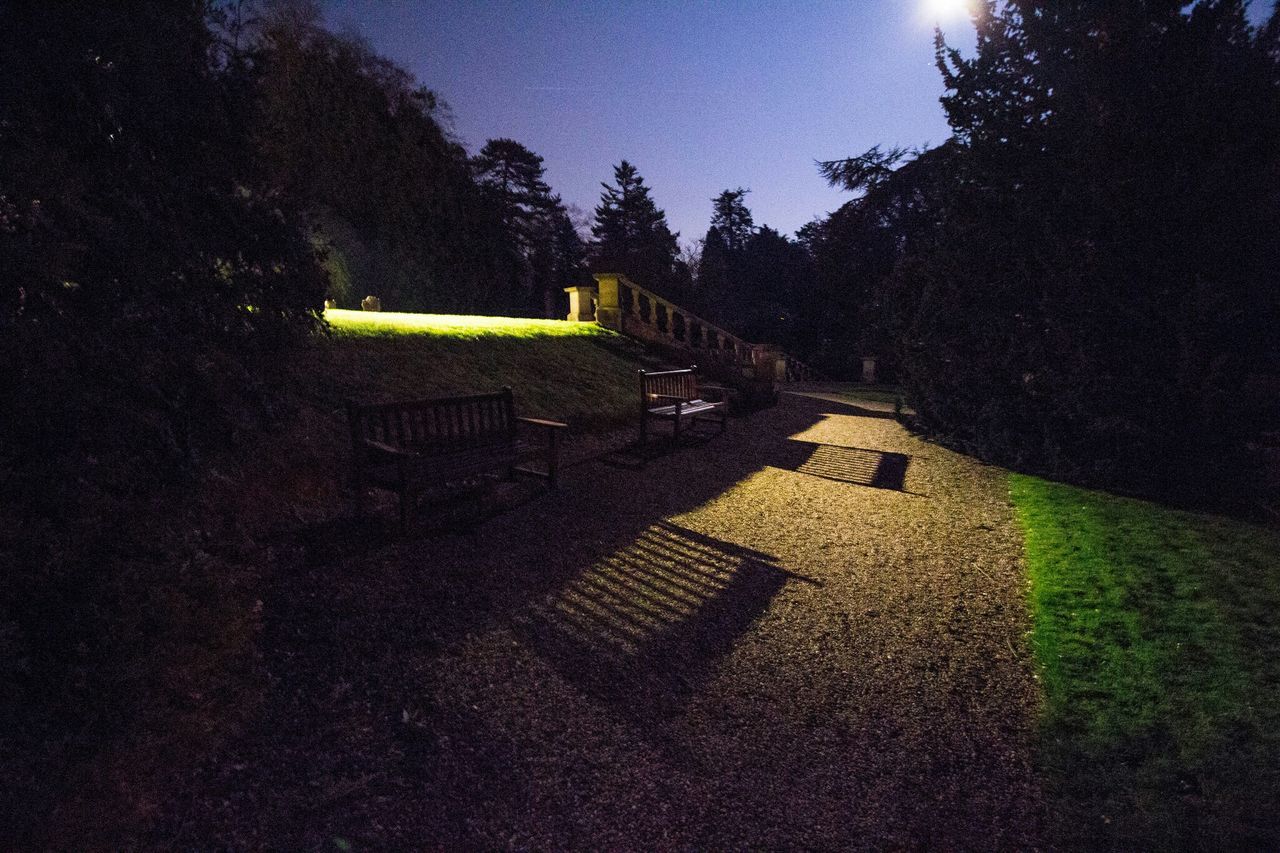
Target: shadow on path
[[643, 627], [857, 465]]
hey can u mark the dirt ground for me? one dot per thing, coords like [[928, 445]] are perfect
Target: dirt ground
[[808, 632]]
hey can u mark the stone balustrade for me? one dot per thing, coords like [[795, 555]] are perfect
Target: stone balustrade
[[620, 304], [624, 306]]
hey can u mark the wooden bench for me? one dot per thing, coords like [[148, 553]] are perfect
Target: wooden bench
[[675, 396], [408, 446]]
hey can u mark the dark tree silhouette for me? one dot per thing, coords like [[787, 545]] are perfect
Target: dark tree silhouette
[[356, 139], [632, 236], [1100, 283], [548, 254]]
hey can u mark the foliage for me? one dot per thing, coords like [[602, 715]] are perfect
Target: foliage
[[356, 140], [722, 261], [861, 307], [1089, 288], [731, 219], [1155, 635], [549, 254], [144, 266], [150, 283], [632, 236], [754, 280]]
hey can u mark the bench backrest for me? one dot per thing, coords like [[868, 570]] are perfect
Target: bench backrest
[[667, 383], [437, 425]]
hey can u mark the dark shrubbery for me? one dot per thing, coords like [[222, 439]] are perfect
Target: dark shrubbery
[[148, 286], [1089, 284]]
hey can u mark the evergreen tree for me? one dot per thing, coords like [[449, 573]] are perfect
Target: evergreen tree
[[632, 236], [723, 258], [558, 259], [731, 219], [1099, 286], [511, 176], [773, 288]]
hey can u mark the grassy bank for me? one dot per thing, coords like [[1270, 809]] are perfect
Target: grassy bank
[[1159, 645], [577, 372], [573, 372]]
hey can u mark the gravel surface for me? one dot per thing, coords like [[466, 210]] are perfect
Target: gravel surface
[[809, 632]]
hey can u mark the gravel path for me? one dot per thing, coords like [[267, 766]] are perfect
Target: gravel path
[[806, 633]]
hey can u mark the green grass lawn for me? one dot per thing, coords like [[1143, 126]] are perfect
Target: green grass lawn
[[577, 372], [459, 326], [1157, 633]]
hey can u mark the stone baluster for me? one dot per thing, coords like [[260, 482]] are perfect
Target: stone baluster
[[635, 303]]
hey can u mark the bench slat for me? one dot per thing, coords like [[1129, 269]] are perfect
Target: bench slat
[[664, 393], [439, 439]]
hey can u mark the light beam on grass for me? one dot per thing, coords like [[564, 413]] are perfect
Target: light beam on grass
[[454, 325]]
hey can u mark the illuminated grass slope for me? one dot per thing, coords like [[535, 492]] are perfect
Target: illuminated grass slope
[[1158, 637], [462, 326], [577, 372]]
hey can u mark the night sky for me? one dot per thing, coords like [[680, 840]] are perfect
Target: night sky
[[700, 97]]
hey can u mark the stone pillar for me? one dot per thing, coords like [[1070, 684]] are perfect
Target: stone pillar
[[608, 308], [582, 304], [771, 362], [868, 368]]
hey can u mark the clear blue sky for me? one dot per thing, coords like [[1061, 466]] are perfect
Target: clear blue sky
[[700, 96]]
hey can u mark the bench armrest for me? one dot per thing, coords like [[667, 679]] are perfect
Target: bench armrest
[[668, 397], [545, 423], [714, 388]]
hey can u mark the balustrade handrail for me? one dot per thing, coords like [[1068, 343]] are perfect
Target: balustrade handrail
[[686, 314], [742, 349]]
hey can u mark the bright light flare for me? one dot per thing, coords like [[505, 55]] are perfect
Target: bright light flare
[[942, 11]]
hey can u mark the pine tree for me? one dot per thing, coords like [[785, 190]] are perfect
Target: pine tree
[[731, 219], [631, 233], [558, 259], [724, 259], [511, 177]]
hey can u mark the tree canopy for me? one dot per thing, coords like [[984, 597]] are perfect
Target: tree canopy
[[1091, 284], [631, 234]]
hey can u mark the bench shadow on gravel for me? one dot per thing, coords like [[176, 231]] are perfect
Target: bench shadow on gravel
[[643, 627], [876, 469]]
